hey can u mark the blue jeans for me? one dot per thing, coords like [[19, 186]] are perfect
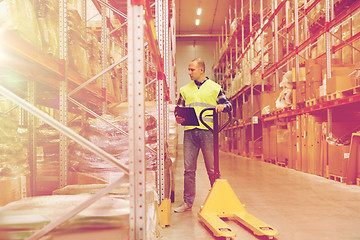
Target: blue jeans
[[194, 140]]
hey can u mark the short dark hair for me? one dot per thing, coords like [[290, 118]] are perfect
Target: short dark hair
[[199, 62]]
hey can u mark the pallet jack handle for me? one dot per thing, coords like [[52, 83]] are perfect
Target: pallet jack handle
[[222, 201], [215, 130]]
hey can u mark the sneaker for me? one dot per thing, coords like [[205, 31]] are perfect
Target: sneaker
[[182, 208]]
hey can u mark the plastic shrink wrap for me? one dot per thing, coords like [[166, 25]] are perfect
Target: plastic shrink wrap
[[20, 219], [94, 53], [285, 97], [77, 45], [47, 12], [20, 16], [48, 143], [13, 150], [110, 140]]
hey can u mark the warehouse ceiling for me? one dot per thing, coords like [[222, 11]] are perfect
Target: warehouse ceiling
[[212, 18]]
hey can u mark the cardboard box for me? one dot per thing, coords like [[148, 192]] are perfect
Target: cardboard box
[[304, 142], [292, 159], [310, 151], [13, 189], [353, 169], [312, 90], [246, 107], [300, 91], [342, 71], [313, 145], [267, 99], [266, 143], [323, 62], [339, 83], [273, 143], [313, 71], [318, 164], [338, 159], [242, 143], [283, 143], [298, 130], [324, 150], [302, 75], [313, 79]]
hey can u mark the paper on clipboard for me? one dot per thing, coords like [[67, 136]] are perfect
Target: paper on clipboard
[[189, 114]]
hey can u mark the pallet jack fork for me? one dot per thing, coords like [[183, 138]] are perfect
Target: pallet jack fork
[[222, 201]]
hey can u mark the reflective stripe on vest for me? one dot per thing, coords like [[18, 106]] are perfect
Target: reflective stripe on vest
[[200, 98]]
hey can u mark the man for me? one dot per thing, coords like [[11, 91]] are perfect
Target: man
[[200, 93]]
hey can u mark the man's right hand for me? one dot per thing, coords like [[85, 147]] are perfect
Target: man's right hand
[[179, 120]]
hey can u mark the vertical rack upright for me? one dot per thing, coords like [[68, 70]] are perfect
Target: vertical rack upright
[[60, 69]]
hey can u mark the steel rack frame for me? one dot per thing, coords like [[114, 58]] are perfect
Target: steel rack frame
[[300, 52], [136, 104]]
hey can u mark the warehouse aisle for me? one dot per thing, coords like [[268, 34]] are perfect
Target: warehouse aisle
[[299, 205]]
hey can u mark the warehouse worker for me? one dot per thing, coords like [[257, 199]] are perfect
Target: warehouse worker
[[200, 93]]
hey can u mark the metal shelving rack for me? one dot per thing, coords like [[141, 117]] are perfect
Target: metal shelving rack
[[272, 61], [67, 82]]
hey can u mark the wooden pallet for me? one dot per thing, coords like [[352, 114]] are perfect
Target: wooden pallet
[[311, 102], [333, 96], [300, 105], [343, 93], [322, 99], [272, 161], [267, 160], [281, 164], [351, 91], [336, 178]]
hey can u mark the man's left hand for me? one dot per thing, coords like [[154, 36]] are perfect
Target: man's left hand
[[219, 108]]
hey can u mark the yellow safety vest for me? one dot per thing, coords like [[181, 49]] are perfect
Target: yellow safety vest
[[200, 98]]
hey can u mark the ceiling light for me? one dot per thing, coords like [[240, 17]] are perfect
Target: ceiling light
[[197, 22], [198, 12]]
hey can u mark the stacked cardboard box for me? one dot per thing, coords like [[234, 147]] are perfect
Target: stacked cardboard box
[[300, 84], [298, 150], [313, 157], [292, 147], [304, 142], [246, 108], [13, 189], [311, 83], [324, 150], [338, 153], [267, 101], [318, 162], [283, 143], [242, 144], [20, 16], [313, 79], [341, 79], [338, 160], [353, 171], [266, 143], [273, 144]]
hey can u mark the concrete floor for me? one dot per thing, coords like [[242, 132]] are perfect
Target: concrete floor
[[299, 205]]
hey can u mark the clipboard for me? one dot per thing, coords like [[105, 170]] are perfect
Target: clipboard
[[189, 114]]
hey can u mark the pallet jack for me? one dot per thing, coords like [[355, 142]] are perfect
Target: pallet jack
[[222, 202]]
